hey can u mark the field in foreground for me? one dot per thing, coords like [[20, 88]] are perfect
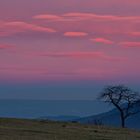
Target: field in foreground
[[18, 129]]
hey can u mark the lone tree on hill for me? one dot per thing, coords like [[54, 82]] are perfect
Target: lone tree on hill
[[126, 101]]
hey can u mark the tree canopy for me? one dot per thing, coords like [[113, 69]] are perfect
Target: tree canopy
[[124, 99]]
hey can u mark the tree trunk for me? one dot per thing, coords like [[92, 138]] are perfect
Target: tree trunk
[[122, 120]]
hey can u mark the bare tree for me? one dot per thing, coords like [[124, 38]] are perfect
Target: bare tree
[[124, 99]]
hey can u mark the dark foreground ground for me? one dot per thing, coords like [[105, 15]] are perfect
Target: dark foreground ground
[[17, 129]]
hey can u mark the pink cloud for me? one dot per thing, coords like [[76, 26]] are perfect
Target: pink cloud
[[79, 55], [86, 16], [28, 26], [75, 34], [74, 54], [75, 16], [135, 33], [10, 28], [102, 40], [23, 69], [100, 24], [48, 17], [6, 46], [130, 44]]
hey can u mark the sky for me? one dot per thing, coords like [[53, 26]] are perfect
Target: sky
[[68, 49]]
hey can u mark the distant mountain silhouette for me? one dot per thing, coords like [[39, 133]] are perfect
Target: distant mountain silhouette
[[112, 118], [60, 118]]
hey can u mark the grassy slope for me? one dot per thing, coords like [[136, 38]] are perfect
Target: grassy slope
[[16, 129]]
